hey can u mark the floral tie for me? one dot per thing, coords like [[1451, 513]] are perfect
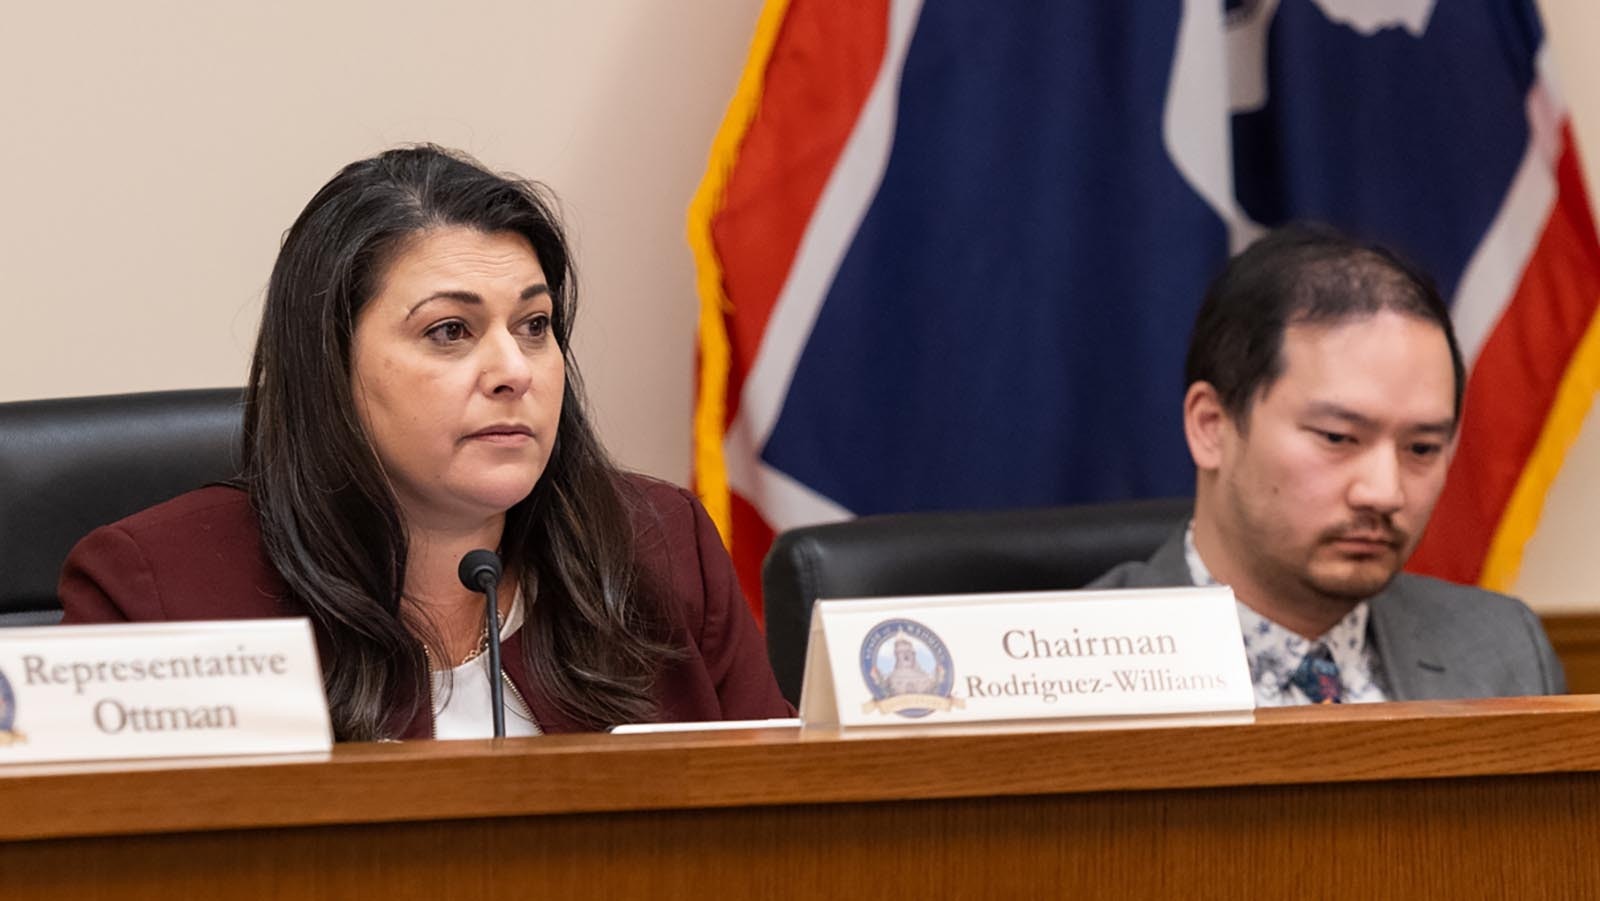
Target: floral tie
[[1318, 676]]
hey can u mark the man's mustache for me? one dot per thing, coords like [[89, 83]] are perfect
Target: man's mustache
[[1368, 529]]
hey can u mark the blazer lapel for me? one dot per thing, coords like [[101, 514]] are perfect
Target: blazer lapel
[[1168, 563], [546, 712], [1412, 666]]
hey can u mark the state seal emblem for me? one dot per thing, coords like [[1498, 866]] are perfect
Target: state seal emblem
[[8, 713], [908, 669]]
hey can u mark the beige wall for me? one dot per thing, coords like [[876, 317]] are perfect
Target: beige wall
[[155, 152]]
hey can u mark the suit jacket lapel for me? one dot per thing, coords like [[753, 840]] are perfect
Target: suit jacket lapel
[[1411, 664], [1168, 563]]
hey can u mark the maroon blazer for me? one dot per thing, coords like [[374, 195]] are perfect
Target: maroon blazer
[[199, 556]]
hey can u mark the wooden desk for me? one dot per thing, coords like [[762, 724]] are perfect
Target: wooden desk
[[1457, 799]]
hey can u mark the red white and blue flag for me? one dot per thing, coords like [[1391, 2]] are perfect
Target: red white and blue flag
[[950, 252]]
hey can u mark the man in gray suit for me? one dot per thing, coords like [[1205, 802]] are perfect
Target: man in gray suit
[[1325, 388]]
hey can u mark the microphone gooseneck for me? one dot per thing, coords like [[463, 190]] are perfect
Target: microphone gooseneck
[[480, 572]]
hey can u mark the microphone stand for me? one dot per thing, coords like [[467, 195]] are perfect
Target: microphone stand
[[497, 690], [480, 571]]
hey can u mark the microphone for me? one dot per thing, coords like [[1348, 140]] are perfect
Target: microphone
[[480, 572]]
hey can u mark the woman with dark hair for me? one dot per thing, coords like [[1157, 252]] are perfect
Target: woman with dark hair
[[413, 396]]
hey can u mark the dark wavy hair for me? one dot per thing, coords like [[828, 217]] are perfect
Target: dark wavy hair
[[1301, 274], [329, 520]]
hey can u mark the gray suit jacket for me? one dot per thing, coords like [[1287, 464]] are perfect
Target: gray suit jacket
[[1435, 639]]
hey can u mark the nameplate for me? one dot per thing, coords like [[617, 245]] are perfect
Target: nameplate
[[1025, 656], [150, 690]]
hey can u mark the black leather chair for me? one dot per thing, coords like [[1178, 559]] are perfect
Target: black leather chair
[[948, 553], [70, 465]]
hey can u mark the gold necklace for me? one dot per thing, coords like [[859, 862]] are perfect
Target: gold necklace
[[474, 654], [483, 646], [483, 641]]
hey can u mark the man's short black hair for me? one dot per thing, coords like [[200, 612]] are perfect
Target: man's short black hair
[[1300, 275]]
